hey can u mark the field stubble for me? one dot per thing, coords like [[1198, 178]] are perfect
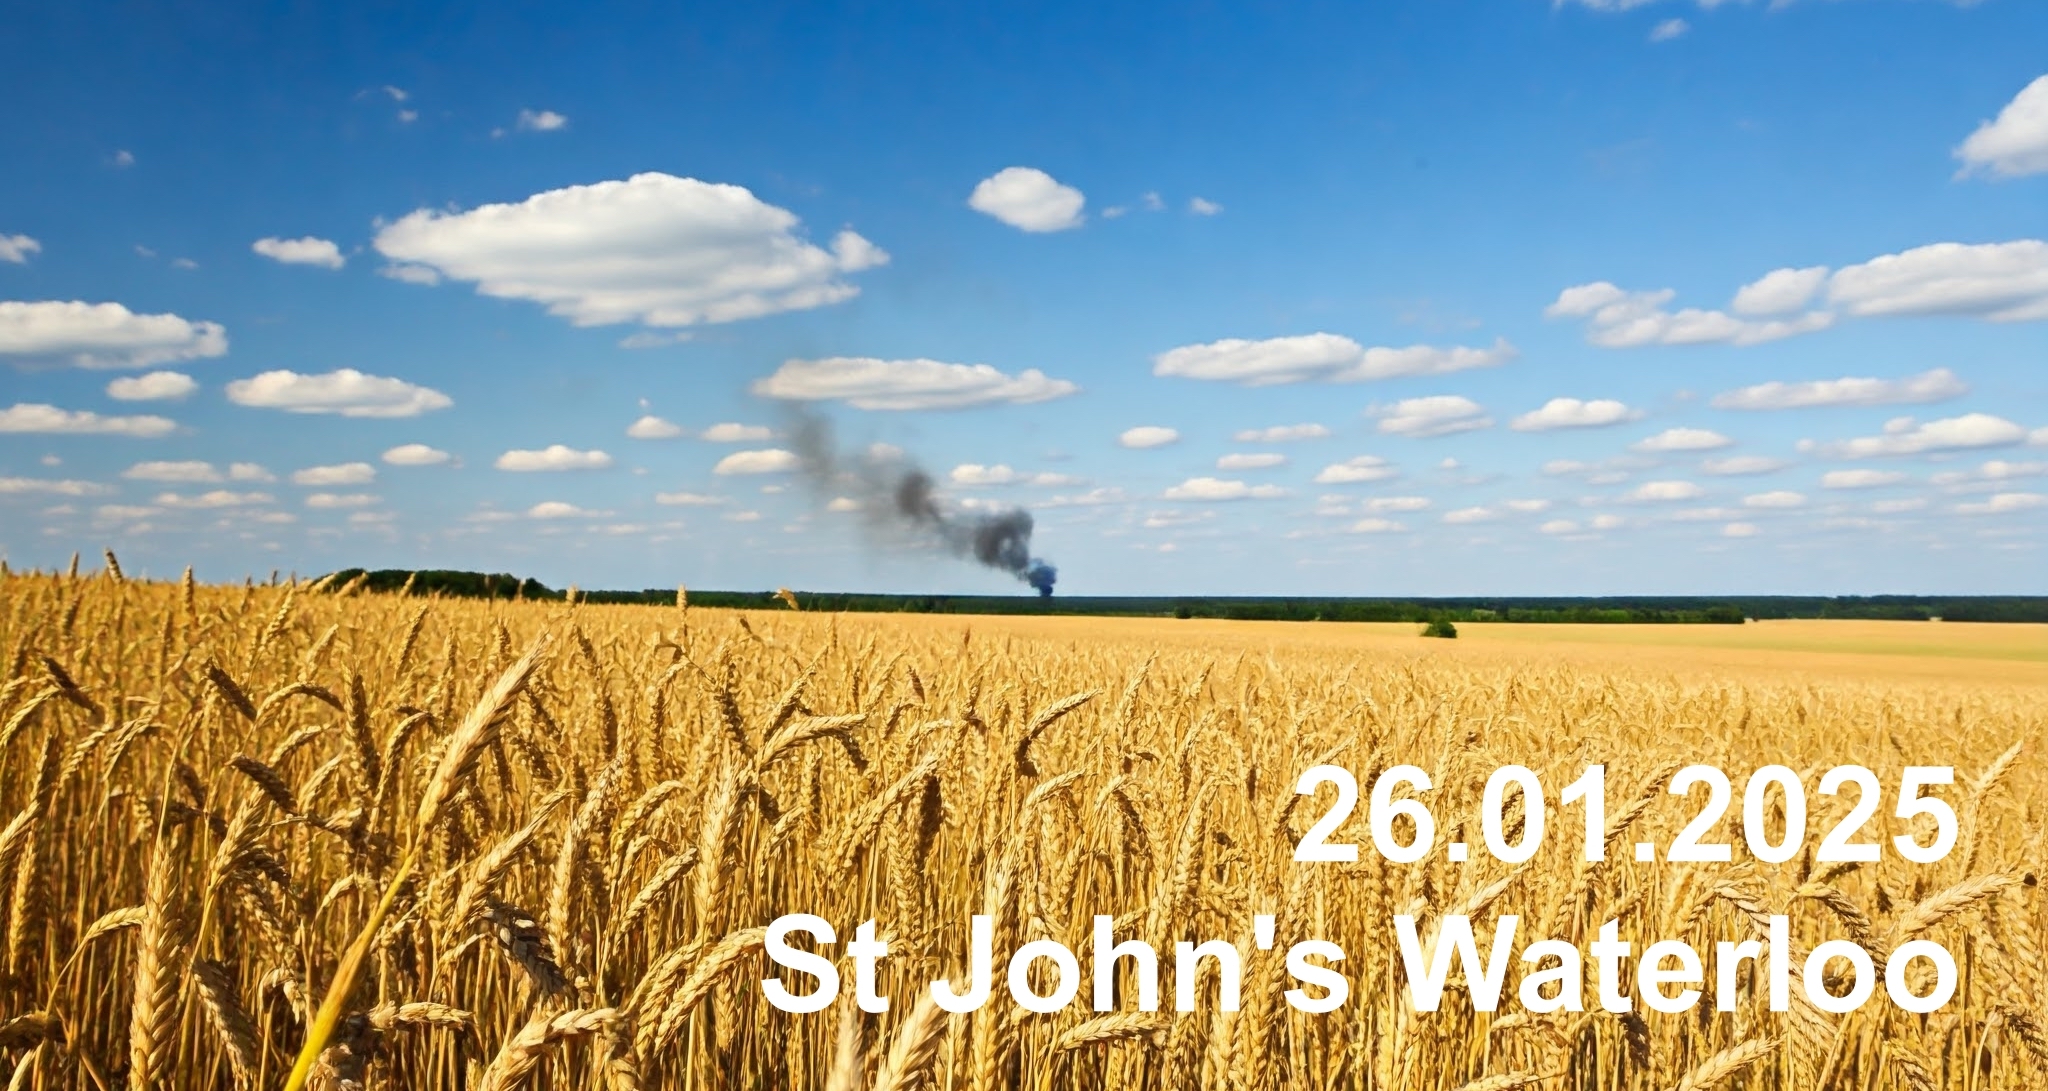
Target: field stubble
[[493, 845]]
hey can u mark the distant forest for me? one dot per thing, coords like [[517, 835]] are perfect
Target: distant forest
[[1620, 610]]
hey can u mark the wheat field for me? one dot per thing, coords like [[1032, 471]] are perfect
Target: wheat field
[[293, 835]]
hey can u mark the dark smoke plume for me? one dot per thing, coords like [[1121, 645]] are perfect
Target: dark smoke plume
[[903, 510]]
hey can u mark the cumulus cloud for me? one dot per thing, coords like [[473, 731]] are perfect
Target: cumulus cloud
[[1739, 530], [974, 473], [1617, 318], [15, 249], [1780, 292], [655, 249], [1573, 413], [1906, 437], [1669, 30], [327, 501], [1282, 433], [688, 499], [1741, 465], [1437, 415], [552, 458], [1214, 488], [1860, 479], [1251, 460], [1377, 526], [728, 432], [187, 472], [1559, 526], [1146, 436], [1996, 469], [157, 386], [541, 121], [1528, 507], [43, 486], [1028, 199], [104, 335], [1779, 499], [347, 392], [1940, 384], [653, 427], [1396, 503], [867, 383], [1319, 357], [415, 454], [310, 250], [1356, 470], [216, 498], [2015, 142], [773, 460], [2001, 282], [1470, 515], [249, 471], [557, 509], [346, 473], [1681, 439], [1661, 491], [2004, 502], [32, 417], [1203, 207]]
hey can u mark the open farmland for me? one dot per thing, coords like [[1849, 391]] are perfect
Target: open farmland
[[403, 843]]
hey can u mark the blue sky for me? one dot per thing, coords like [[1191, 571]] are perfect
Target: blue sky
[[1600, 296]]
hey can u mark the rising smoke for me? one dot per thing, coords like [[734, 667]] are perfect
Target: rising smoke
[[902, 509]]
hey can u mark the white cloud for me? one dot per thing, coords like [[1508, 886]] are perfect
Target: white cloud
[[1899, 506], [249, 471], [2015, 142], [1904, 437], [1739, 530], [347, 392], [1559, 526], [556, 509], [728, 432], [1282, 433], [1356, 470], [741, 517], [1669, 30], [104, 335], [1608, 522], [1469, 515], [327, 501], [1201, 207], [17, 248], [1860, 479], [415, 454], [217, 498], [1616, 318], [1377, 526], [552, 458], [1251, 460], [655, 249], [1661, 491], [1396, 503], [1739, 465], [1147, 436], [773, 460], [1780, 292], [1028, 199], [1528, 507], [346, 473], [1997, 469], [188, 472], [1095, 497], [688, 499], [1437, 415], [50, 420], [541, 121], [1213, 488], [1319, 357], [156, 386], [123, 159], [843, 504], [1779, 499], [2001, 503], [2001, 282], [1682, 439], [1573, 413], [653, 427], [22, 486], [974, 473], [1937, 385], [306, 251], [868, 383]]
